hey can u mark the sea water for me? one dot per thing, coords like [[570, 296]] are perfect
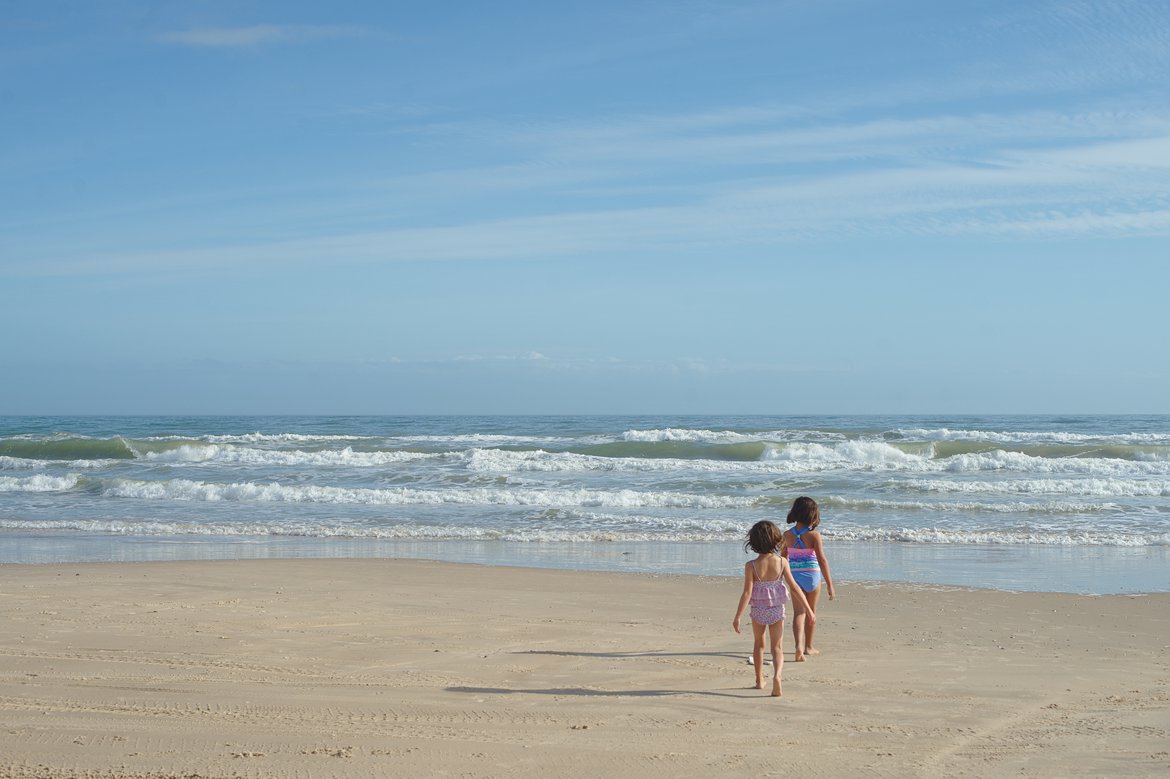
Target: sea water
[[1067, 503]]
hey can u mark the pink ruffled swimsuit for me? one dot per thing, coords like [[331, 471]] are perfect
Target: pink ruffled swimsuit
[[768, 599]]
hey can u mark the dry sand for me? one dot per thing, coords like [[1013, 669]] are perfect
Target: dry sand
[[320, 668]]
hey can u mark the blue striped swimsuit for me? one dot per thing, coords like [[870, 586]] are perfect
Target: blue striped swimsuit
[[806, 568]]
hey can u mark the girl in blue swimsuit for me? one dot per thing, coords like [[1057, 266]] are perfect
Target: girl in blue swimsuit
[[805, 551]]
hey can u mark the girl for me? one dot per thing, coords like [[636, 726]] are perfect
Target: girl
[[806, 557], [767, 583]]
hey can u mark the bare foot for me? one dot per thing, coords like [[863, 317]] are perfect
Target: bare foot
[[760, 685], [776, 688], [811, 651], [798, 658]]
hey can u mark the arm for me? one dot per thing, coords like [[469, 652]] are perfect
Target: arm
[[744, 596], [819, 548], [797, 594]]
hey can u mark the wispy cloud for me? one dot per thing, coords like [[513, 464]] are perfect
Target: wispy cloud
[[740, 179], [256, 35], [526, 356]]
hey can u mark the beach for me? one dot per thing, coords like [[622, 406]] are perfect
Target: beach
[[400, 389], [367, 667]]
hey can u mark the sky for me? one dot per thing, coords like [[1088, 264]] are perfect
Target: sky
[[785, 207]]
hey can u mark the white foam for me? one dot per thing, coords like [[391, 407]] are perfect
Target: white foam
[[878, 455], [228, 454], [686, 435], [1000, 460], [969, 507], [847, 454], [689, 436], [1031, 437], [26, 464], [1016, 535], [271, 438], [488, 439], [187, 490], [1088, 487], [39, 483], [394, 532], [807, 458], [659, 526], [20, 463], [930, 535], [503, 461]]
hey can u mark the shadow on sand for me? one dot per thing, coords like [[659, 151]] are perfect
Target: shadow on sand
[[556, 653], [584, 691]]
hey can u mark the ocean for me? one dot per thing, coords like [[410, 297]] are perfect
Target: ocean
[[1060, 503]]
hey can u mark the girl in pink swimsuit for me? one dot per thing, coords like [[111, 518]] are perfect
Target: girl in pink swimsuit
[[767, 587]]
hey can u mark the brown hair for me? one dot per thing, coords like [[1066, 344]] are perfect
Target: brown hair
[[805, 511], [764, 537]]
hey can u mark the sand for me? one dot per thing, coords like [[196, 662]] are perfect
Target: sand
[[353, 668]]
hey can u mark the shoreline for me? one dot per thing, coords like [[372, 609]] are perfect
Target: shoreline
[[359, 667], [1084, 570]]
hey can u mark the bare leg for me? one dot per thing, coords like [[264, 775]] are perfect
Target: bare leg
[[798, 631], [810, 628], [776, 637], [758, 652]]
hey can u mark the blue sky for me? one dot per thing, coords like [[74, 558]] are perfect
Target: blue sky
[[779, 207]]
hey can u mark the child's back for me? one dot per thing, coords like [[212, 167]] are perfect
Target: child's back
[[803, 546]]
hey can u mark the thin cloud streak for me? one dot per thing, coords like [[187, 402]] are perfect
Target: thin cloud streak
[[1032, 174], [637, 232], [658, 139], [255, 35]]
